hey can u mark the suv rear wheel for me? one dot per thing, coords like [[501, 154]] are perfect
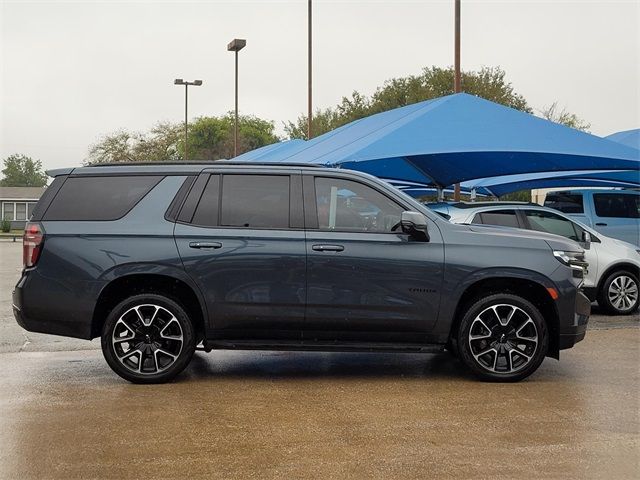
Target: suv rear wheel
[[148, 338], [620, 293], [502, 338]]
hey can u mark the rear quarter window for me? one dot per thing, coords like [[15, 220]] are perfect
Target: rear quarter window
[[99, 198]]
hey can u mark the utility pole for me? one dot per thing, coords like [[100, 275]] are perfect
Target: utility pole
[[309, 73]]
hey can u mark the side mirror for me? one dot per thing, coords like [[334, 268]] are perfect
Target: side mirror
[[415, 224], [586, 239]]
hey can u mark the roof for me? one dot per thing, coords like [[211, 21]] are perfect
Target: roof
[[630, 138], [453, 139], [169, 168], [21, 193]]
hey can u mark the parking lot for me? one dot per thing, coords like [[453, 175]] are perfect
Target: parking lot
[[315, 415]]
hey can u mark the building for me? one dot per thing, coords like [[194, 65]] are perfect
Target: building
[[16, 204]]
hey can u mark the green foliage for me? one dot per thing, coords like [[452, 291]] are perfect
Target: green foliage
[[5, 226], [520, 196], [158, 145], [564, 118], [22, 171], [210, 138], [433, 82]]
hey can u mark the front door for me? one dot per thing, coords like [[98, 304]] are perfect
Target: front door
[[243, 244], [367, 281]]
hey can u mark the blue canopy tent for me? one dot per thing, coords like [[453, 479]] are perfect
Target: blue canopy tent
[[457, 138], [497, 186], [268, 151], [630, 138]]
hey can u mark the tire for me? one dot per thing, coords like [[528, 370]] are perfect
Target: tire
[[148, 338], [502, 338], [620, 293]]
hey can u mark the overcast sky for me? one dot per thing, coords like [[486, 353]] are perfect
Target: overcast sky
[[74, 71]]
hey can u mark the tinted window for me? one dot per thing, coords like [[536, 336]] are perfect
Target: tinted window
[[617, 205], [552, 223], [99, 198], [503, 218], [255, 201], [350, 206], [565, 202], [207, 211]]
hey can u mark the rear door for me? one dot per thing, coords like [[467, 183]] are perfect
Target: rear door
[[617, 215], [241, 238], [367, 281]]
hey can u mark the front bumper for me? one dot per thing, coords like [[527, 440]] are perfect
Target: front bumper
[[571, 332]]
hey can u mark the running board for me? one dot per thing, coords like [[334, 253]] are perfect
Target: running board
[[322, 346]]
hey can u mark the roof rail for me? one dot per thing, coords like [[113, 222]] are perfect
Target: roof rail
[[489, 204], [206, 162]]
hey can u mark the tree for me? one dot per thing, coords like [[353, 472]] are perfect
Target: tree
[[433, 82], [211, 138], [158, 145], [22, 171], [564, 118]]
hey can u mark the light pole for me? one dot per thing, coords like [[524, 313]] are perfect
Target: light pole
[[195, 83], [236, 45]]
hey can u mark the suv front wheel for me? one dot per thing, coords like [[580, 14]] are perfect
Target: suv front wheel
[[502, 338], [148, 338]]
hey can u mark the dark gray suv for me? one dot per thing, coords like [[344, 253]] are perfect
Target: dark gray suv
[[159, 260]]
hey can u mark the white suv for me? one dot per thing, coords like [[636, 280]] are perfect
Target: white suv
[[614, 265]]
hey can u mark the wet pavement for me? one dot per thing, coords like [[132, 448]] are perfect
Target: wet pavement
[[65, 415]]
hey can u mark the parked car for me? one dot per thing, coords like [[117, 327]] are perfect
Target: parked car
[[157, 259], [615, 213], [614, 265]]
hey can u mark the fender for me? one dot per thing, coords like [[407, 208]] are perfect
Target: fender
[[146, 268], [453, 292]]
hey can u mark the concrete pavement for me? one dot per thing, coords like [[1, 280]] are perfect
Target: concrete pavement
[[316, 415]]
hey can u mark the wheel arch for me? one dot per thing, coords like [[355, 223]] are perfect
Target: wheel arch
[[127, 285], [620, 266], [531, 289]]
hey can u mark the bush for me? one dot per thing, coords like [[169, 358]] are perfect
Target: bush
[[5, 226]]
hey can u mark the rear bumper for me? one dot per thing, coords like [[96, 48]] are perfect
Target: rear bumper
[[574, 327], [37, 310]]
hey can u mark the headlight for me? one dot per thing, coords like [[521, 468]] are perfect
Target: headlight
[[574, 260], [638, 252]]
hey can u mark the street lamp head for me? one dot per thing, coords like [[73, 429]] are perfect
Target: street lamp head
[[178, 81], [197, 82], [236, 45]]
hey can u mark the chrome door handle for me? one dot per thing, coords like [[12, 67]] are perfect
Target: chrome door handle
[[327, 248], [205, 245]]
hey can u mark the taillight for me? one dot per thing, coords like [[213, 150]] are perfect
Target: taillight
[[32, 244]]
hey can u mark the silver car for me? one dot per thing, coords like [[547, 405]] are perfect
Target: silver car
[[614, 265]]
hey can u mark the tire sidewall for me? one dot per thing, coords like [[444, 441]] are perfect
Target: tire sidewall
[[475, 308], [188, 333], [603, 298]]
